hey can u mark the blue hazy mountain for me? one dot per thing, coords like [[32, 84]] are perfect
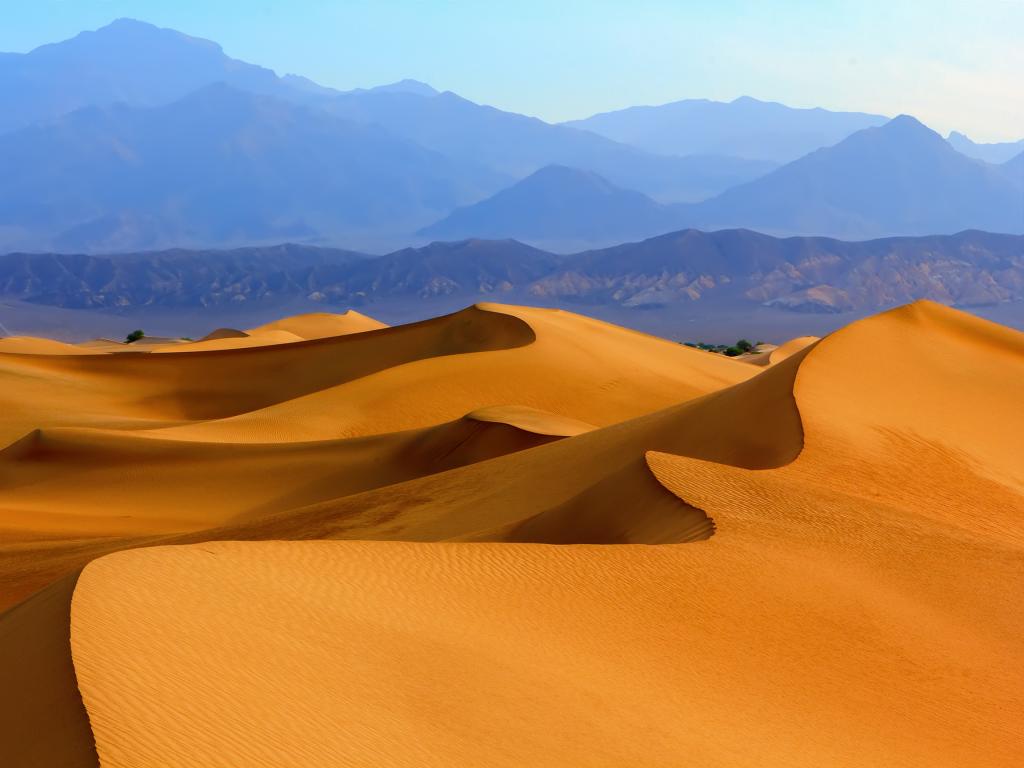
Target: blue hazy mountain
[[901, 178], [745, 127], [220, 166], [518, 145], [138, 64], [897, 179], [134, 137], [991, 153], [1013, 169], [558, 204], [126, 61]]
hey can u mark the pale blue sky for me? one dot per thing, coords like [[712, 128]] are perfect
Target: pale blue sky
[[955, 64]]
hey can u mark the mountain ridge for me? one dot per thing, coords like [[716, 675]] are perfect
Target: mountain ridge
[[728, 268]]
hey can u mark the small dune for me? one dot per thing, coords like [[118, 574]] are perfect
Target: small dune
[[319, 325], [30, 345], [791, 347]]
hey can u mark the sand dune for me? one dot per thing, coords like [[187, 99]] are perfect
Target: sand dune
[[105, 452], [791, 347], [841, 547], [30, 345], [318, 325], [42, 719]]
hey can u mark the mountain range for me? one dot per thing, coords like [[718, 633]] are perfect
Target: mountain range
[[997, 153], [725, 269], [745, 127], [898, 177], [221, 165], [135, 137], [559, 205]]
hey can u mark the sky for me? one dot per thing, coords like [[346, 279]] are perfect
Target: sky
[[954, 64]]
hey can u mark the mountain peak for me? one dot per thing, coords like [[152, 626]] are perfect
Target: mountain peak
[[558, 203], [407, 85], [909, 128], [908, 121], [128, 29], [126, 23]]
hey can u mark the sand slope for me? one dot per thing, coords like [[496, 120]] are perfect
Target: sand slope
[[42, 719], [109, 451], [318, 325], [841, 559]]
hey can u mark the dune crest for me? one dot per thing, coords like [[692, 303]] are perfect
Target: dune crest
[[278, 441], [789, 348], [318, 325]]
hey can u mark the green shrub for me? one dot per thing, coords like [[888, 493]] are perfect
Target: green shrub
[[744, 346], [134, 336]]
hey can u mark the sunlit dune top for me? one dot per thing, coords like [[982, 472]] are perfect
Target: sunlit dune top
[[317, 325]]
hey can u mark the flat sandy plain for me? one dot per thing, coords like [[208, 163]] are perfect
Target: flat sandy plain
[[514, 537]]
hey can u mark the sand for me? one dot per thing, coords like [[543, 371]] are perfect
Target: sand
[[789, 348], [318, 325], [107, 451], [812, 562]]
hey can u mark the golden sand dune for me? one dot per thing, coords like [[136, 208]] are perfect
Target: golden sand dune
[[111, 483], [856, 605], [564, 364], [318, 325], [30, 345], [791, 347], [107, 451], [136, 390], [42, 719], [240, 341]]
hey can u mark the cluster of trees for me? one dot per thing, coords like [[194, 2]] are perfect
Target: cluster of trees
[[739, 348]]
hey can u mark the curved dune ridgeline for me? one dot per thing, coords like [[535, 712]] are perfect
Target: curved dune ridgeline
[[118, 457], [364, 570]]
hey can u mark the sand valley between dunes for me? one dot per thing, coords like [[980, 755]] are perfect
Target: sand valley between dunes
[[513, 537]]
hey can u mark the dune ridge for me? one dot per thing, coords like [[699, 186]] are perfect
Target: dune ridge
[[115, 452], [842, 554]]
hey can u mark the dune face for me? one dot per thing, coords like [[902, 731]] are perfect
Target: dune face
[[248, 434], [791, 347], [42, 720], [364, 569], [317, 325]]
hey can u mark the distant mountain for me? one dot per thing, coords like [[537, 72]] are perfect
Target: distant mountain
[[138, 64], [746, 127], [740, 268], [221, 166], [245, 277], [898, 179], [462, 268], [175, 278], [991, 153], [126, 61], [718, 271], [414, 87], [518, 145], [1014, 169], [559, 204]]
